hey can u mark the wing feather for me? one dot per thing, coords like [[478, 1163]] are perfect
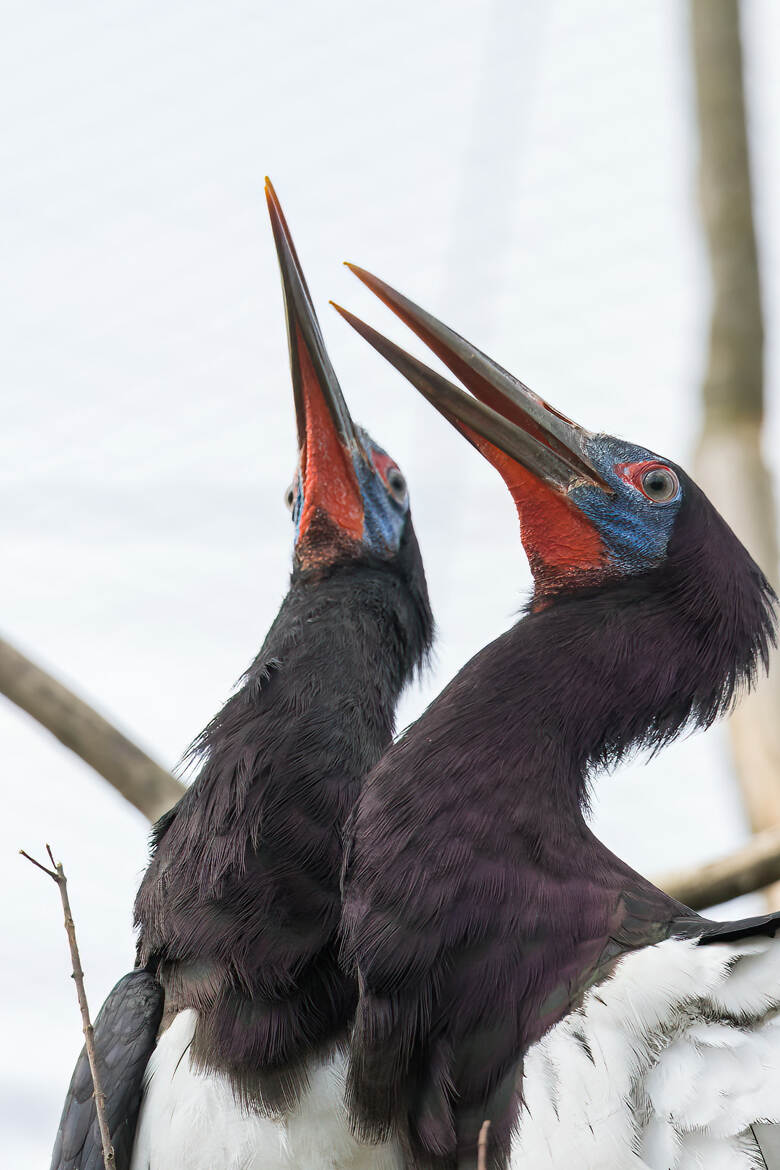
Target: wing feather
[[125, 1034], [670, 1064]]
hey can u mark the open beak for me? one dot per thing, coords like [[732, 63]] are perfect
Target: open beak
[[540, 454], [546, 442], [327, 438]]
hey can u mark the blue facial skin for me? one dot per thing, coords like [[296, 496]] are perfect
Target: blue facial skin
[[635, 529], [297, 506], [384, 511]]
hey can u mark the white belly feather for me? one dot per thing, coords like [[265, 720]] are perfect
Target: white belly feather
[[190, 1120], [666, 1065]]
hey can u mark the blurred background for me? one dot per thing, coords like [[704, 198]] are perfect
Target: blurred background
[[526, 170]]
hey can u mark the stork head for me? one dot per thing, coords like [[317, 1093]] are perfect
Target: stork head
[[590, 506], [604, 517], [348, 497]]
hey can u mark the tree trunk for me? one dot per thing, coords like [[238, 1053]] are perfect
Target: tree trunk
[[729, 462]]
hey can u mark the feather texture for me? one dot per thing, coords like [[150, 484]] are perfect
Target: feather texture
[[665, 1066], [478, 906], [238, 910], [191, 1118], [125, 1032]]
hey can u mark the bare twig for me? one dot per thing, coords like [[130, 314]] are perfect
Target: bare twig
[[137, 777], [57, 874], [482, 1146]]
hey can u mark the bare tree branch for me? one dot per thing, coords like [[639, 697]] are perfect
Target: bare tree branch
[[57, 874], [75, 724], [730, 465], [755, 865]]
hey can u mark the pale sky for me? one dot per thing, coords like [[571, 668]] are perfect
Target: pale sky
[[525, 170]]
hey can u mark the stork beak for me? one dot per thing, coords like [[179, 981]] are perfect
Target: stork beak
[[327, 438], [546, 442], [541, 455]]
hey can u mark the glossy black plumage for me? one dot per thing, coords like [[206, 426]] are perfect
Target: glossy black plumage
[[478, 905], [238, 910]]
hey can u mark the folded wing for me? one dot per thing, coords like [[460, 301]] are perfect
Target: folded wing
[[125, 1035], [672, 1063]]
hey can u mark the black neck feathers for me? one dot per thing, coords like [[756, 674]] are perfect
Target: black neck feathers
[[238, 910]]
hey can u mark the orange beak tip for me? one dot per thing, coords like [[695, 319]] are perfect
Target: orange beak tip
[[357, 271], [272, 199]]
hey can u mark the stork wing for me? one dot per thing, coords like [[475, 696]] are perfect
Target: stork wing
[[674, 1058], [435, 1050], [125, 1035], [763, 924]]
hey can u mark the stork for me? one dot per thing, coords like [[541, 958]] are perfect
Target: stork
[[218, 1050], [511, 968]]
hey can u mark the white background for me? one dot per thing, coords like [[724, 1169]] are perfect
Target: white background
[[526, 170]]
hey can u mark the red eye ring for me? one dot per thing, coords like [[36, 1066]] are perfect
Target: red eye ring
[[657, 482], [390, 473]]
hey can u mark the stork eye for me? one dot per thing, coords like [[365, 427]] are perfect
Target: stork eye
[[396, 482], [660, 484]]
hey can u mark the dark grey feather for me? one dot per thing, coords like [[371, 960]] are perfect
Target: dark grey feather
[[125, 1034]]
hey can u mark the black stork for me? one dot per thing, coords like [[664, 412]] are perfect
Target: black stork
[[216, 1050], [488, 927]]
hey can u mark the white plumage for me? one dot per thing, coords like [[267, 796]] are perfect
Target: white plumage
[[665, 1066], [191, 1121]]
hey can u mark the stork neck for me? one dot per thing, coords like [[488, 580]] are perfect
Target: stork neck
[[337, 646], [317, 702], [283, 759], [239, 908], [571, 688], [517, 709]]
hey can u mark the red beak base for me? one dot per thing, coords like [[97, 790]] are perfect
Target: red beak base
[[331, 520], [557, 537]]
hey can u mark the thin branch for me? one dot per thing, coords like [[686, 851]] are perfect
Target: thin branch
[[75, 724], [482, 1146], [57, 874], [52, 874]]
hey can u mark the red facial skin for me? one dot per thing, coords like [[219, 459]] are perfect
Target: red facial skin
[[332, 499], [558, 538]]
